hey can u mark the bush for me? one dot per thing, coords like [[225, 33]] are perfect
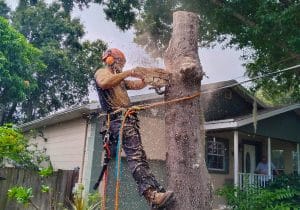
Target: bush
[[291, 181], [276, 196], [16, 150]]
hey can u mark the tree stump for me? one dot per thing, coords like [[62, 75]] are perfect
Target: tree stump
[[186, 169]]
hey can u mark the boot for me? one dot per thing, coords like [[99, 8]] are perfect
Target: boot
[[158, 199]]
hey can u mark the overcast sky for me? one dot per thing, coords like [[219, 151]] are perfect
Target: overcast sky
[[218, 64]]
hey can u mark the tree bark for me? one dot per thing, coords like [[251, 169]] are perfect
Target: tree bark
[[2, 112], [186, 169], [12, 110]]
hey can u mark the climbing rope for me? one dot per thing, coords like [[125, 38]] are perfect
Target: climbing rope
[[141, 107]]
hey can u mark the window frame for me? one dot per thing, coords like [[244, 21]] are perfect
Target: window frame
[[275, 162], [224, 141]]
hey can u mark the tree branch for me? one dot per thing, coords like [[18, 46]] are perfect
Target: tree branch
[[286, 3], [11, 111], [250, 23]]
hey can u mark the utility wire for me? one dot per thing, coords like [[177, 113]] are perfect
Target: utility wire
[[274, 64], [254, 78]]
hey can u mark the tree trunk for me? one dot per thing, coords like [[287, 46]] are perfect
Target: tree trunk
[[187, 173], [12, 110], [2, 112]]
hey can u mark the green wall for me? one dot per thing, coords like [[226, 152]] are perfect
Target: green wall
[[94, 154], [284, 126], [129, 197]]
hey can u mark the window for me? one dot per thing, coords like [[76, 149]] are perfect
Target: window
[[278, 159], [217, 154]]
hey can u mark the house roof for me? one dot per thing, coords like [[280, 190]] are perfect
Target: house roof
[[233, 84], [79, 111], [248, 119], [64, 115]]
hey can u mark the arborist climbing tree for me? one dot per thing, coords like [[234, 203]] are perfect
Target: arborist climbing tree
[[122, 125]]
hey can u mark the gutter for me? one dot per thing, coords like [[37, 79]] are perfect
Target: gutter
[[64, 115], [84, 149]]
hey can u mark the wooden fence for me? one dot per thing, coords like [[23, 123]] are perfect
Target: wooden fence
[[60, 183]]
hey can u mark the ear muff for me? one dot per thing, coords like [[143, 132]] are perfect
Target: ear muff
[[110, 60], [112, 56]]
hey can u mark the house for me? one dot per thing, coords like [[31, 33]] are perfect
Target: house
[[235, 140]]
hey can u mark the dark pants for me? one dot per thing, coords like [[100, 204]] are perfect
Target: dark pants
[[136, 156]]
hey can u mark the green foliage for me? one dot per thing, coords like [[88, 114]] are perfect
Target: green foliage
[[15, 149], [123, 13], [92, 202], [70, 62], [45, 172], [19, 62], [154, 24], [253, 197], [116, 10], [20, 194], [45, 188], [291, 181], [69, 4]]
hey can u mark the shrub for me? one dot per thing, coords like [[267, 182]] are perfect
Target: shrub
[[16, 150], [253, 198]]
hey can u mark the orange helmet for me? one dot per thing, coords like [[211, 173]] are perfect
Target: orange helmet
[[113, 55]]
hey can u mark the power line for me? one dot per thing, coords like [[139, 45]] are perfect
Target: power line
[[254, 78], [274, 64]]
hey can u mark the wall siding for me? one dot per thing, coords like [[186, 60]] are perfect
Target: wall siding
[[283, 126], [64, 143], [218, 106], [129, 197], [153, 136]]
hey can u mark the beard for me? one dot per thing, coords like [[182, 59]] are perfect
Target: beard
[[117, 68]]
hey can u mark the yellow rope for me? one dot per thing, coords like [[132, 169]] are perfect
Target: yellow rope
[[152, 105]]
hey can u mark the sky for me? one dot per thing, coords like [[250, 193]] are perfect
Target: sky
[[218, 64]]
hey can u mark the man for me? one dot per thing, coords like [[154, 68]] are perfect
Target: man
[[263, 167], [112, 89]]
